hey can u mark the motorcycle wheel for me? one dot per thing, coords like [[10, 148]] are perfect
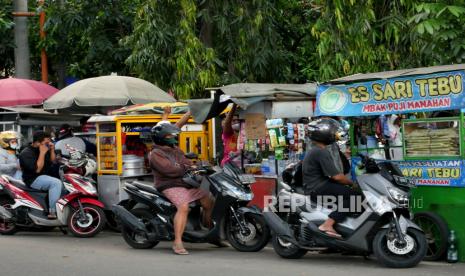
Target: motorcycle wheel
[[406, 256], [135, 240], [436, 232], [286, 249], [7, 228], [255, 240], [85, 229]]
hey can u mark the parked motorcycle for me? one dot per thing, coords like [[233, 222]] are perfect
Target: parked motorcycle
[[385, 228], [147, 217], [79, 208]]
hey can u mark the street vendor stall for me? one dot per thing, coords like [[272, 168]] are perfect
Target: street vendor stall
[[272, 132], [412, 117], [123, 142]]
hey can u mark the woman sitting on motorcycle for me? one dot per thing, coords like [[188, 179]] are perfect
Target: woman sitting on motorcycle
[[321, 176], [9, 163], [169, 165]]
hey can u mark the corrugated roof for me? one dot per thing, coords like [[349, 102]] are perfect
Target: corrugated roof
[[397, 73], [27, 110]]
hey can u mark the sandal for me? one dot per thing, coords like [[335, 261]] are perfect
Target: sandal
[[179, 249], [330, 233]]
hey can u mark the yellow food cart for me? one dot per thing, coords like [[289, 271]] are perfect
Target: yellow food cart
[[123, 143]]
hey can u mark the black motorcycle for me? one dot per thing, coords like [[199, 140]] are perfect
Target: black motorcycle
[[147, 216]]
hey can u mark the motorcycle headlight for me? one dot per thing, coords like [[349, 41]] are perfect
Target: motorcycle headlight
[[398, 196], [236, 192]]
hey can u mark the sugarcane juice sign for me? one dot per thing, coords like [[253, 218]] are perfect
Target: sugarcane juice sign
[[434, 173], [440, 91]]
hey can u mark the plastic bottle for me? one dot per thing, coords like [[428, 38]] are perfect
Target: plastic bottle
[[265, 167], [272, 165], [452, 253]]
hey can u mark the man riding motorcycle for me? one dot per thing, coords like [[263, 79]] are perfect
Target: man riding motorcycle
[[169, 165], [321, 177]]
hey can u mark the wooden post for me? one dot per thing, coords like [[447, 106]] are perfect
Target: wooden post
[[42, 36]]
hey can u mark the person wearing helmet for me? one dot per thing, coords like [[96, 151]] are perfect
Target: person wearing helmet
[[66, 137], [9, 163], [169, 165], [321, 176]]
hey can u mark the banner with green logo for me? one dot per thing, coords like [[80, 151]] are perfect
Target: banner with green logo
[[440, 91]]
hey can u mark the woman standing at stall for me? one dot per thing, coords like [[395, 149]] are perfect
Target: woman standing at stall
[[9, 163], [231, 128]]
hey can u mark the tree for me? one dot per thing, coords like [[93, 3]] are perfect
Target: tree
[[189, 45], [6, 39], [361, 36], [439, 27], [85, 35]]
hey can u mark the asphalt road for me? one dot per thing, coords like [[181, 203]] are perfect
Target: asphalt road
[[107, 254]]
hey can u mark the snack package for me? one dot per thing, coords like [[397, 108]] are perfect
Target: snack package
[[273, 138], [290, 131], [279, 153], [274, 123], [301, 131]]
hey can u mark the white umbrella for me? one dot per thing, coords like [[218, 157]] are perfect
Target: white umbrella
[[104, 93]]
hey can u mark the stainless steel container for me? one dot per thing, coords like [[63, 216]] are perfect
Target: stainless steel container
[[133, 165]]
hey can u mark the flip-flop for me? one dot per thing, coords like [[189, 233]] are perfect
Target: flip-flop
[[331, 234], [179, 250]]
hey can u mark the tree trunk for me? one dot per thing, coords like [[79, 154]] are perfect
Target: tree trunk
[[61, 66], [206, 27], [22, 56]]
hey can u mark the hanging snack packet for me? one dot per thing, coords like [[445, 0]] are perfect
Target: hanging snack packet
[[301, 131], [279, 153], [290, 131], [273, 138]]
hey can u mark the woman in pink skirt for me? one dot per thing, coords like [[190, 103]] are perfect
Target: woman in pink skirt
[[169, 165]]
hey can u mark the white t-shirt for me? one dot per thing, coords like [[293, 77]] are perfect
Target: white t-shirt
[[74, 142]]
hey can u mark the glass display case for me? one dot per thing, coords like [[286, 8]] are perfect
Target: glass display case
[[435, 138]]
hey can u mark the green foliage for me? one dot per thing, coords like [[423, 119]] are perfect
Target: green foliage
[[6, 38], [85, 35], [440, 26], [189, 45], [361, 36]]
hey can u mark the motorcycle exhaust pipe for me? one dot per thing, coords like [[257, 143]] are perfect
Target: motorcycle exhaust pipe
[[279, 227], [128, 219], [5, 214]]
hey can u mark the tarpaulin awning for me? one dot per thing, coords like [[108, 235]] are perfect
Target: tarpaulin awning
[[248, 94], [397, 73]]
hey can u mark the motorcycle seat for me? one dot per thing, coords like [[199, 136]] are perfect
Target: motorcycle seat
[[21, 185]]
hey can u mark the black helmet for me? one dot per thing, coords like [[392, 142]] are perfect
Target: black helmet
[[325, 130], [160, 132]]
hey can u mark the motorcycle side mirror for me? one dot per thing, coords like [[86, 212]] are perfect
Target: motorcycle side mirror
[[191, 155]]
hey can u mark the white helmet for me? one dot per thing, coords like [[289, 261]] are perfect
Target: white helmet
[[91, 167]]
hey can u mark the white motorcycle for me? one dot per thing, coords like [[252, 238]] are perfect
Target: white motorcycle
[[384, 228]]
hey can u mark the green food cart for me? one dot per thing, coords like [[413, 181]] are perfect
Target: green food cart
[[413, 117]]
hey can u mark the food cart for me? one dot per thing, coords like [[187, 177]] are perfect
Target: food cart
[[271, 134], [427, 143], [123, 143]]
